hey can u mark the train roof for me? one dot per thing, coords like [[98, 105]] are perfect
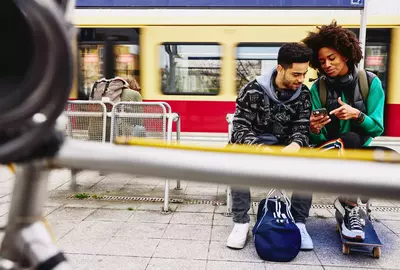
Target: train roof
[[343, 4], [378, 15]]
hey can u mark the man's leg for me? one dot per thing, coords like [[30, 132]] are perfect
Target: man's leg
[[300, 209], [240, 207]]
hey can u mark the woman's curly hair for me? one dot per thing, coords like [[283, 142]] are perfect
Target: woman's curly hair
[[340, 39]]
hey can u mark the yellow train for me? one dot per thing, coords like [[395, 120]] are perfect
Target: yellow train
[[197, 59]]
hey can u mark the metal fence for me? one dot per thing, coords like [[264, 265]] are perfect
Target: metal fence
[[229, 119], [86, 120], [104, 121], [150, 120]]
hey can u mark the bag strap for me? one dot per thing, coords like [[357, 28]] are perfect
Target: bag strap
[[363, 80], [322, 91], [287, 201]]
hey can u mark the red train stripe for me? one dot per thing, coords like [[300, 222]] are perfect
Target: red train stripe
[[202, 116]]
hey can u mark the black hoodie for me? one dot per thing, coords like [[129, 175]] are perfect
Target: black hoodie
[[258, 116]]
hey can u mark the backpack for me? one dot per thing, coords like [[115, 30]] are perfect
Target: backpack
[[362, 79], [276, 236], [108, 89]]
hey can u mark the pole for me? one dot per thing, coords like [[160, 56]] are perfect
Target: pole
[[336, 176], [363, 33]]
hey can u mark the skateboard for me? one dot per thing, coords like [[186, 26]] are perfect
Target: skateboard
[[371, 238]]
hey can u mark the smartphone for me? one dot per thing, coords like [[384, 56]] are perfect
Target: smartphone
[[322, 111]]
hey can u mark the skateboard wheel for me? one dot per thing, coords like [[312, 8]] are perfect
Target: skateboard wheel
[[376, 252], [345, 249]]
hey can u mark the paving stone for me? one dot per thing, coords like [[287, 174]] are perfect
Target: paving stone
[[110, 215], [130, 246], [182, 249], [320, 213], [220, 219], [4, 208], [386, 215], [149, 216], [79, 261], [220, 252], [220, 233], [192, 218], [61, 227], [222, 265], [176, 264], [122, 205], [196, 208], [3, 220], [381, 203], [188, 232], [142, 230], [193, 190], [5, 198], [152, 207], [118, 262], [393, 225], [306, 258], [346, 268], [201, 184], [5, 190], [273, 266], [73, 213], [80, 244], [95, 228]]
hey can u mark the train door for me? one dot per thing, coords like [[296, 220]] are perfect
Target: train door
[[107, 52]]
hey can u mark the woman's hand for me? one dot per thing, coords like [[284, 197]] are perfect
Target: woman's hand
[[345, 111], [318, 122]]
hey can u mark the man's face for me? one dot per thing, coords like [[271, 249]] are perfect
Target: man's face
[[292, 77]]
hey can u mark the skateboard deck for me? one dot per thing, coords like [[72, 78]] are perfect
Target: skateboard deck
[[371, 238]]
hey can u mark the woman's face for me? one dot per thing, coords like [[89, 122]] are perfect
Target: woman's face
[[332, 62]]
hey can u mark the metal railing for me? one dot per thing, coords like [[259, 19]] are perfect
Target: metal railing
[[87, 120], [365, 173], [152, 120], [104, 121]]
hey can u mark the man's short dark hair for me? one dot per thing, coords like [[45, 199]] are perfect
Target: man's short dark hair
[[291, 53]]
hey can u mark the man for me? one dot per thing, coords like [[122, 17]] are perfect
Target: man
[[273, 109]]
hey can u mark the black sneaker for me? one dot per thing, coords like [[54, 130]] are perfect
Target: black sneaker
[[352, 224]]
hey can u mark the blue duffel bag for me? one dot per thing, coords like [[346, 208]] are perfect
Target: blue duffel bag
[[276, 236]]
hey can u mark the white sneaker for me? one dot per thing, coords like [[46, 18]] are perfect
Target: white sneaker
[[238, 236], [306, 241]]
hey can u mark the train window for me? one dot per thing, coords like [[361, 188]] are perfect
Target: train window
[[253, 60], [190, 69], [107, 52]]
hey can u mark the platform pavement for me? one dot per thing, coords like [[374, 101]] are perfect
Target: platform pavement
[[101, 234]]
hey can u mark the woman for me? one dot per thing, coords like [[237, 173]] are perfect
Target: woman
[[354, 107]]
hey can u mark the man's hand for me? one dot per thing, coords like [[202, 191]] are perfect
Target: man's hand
[[318, 122], [265, 149], [345, 111], [291, 148]]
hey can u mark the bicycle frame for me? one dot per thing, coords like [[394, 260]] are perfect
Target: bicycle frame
[[26, 240]]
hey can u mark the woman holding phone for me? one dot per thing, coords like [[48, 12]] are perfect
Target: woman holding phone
[[336, 52], [347, 105]]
